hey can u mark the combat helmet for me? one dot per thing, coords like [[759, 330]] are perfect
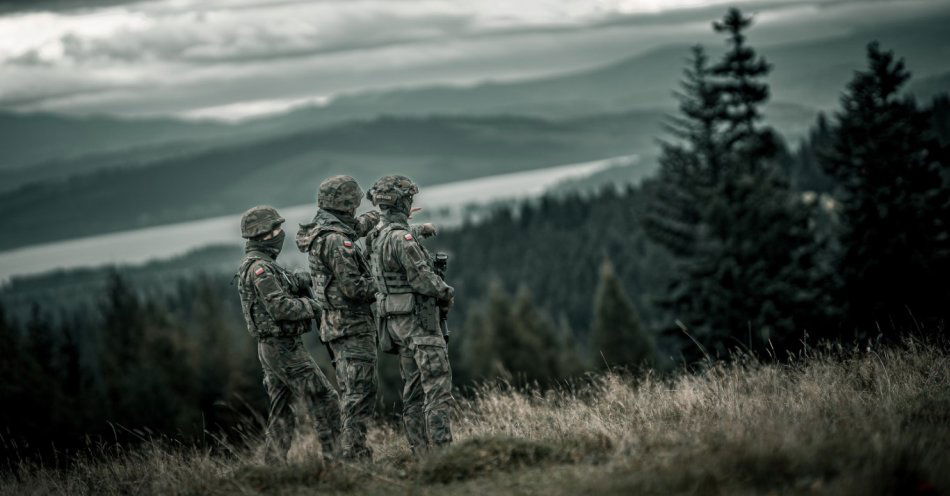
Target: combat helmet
[[339, 193], [259, 220], [389, 190]]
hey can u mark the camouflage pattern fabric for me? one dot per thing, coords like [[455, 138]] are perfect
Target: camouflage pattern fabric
[[346, 292], [356, 375], [340, 274], [409, 320], [259, 220], [392, 190], [266, 291], [297, 388], [341, 193], [293, 381]]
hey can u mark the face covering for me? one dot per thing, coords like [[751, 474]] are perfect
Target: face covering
[[347, 218], [271, 246]]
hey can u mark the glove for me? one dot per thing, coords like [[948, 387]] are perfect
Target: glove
[[303, 278], [428, 230], [314, 306], [369, 220], [448, 299]]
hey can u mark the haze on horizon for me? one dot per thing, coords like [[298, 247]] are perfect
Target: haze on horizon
[[236, 59]]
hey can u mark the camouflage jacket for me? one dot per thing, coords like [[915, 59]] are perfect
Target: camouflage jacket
[[267, 298], [341, 278], [400, 260]]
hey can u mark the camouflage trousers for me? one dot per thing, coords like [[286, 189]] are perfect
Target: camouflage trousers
[[297, 389], [356, 376], [427, 391]]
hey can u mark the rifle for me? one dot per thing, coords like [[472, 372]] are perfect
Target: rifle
[[441, 264], [305, 286]]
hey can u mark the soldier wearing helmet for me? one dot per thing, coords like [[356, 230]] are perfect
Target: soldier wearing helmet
[[276, 315], [412, 297], [345, 289]]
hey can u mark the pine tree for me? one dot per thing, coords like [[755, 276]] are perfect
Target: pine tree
[[571, 356], [482, 331], [617, 338], [741, 86], [512, 339], [122, 341], [691, 164], [542, 346], [748, 268], [806, 172], [894, 173]]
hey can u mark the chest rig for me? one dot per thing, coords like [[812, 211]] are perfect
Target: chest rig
[[259, 323], [387, 281], [331, 298]]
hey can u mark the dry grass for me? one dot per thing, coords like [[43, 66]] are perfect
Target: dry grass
[[872, 422]]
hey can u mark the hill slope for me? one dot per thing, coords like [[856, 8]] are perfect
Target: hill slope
[[862, 424]]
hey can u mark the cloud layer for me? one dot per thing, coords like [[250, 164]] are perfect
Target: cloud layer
[[236, 58]]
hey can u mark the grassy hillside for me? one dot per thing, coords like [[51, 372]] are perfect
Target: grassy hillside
[[861, 422]]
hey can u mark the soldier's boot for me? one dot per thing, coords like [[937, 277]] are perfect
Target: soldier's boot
[[278, 438], [413, 398], [432, 359], [357, 375], [415, 425], [439, 426], [324, 407], [280, 420]]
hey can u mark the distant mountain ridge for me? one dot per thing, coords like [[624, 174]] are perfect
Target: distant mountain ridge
[[70, 176], [810, 74], [285, 170]]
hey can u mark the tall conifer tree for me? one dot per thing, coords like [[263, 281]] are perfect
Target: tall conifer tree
[[748, 273], [896, 201], [617, 338]]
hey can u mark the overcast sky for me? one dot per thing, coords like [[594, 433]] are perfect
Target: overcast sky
[[239, 58]]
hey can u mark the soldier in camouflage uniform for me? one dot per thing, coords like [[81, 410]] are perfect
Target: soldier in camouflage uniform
[[277, 315], [412, 297], [346, 291]]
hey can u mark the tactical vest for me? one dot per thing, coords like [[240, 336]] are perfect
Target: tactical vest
[[387, 282], [399, 297], [259, 323], [323, 276]]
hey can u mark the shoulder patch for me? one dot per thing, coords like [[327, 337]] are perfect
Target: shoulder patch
[[259, 271], [408, 237], [348, 244]]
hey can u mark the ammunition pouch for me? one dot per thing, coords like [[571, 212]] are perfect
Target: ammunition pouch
[[386, 344], [398, 304], [427, 311], [321, 283]]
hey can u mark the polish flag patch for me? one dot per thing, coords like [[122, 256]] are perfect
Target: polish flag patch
[[348, 244], [408, 237], [259, 271]]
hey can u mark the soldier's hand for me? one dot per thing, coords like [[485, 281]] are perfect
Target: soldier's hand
[[372, 217], [303, 278], [428, 230], [314, 307], [448, 299]]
